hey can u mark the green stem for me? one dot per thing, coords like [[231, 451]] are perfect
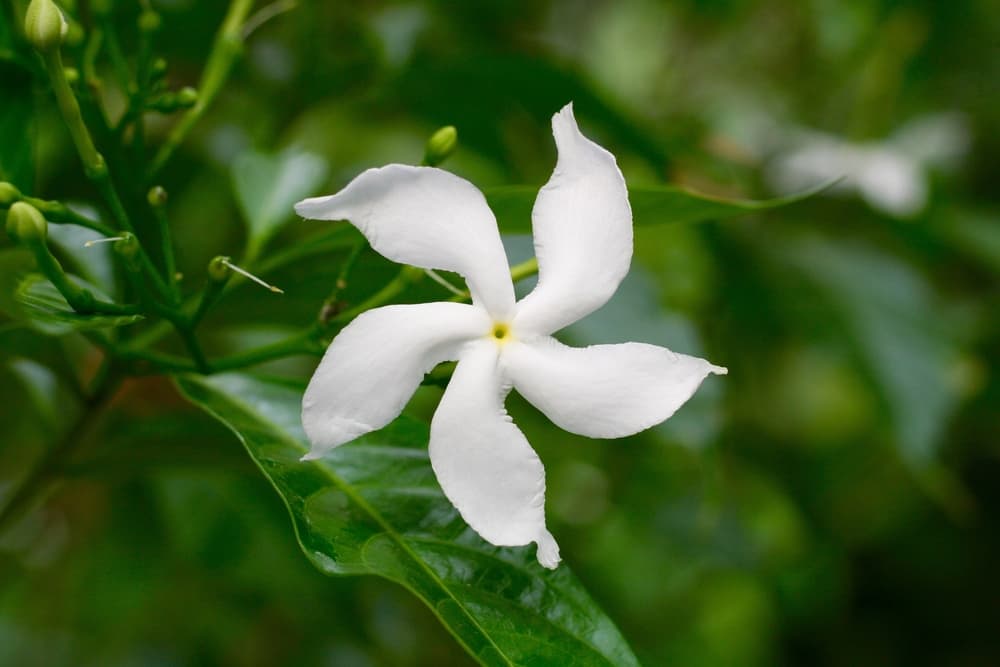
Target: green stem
[[194, 347], [167, 243], [518, 272], [118, 62], [227, 48], [209, 295], [303, 343], [93, 162], [322, 242], [180, 323], [94, 165], [305, 248], [407, 276], [330, 304], [59, 213], [79, 299]]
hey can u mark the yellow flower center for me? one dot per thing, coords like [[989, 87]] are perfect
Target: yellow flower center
[[501, 332]]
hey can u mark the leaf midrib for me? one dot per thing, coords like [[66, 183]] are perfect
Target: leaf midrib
[[349, 491]]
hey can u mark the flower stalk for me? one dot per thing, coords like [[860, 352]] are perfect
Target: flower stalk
[[227, 48]]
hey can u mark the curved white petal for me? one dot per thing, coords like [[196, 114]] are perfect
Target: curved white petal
[[483, 461], [428, 218], [582, 224], [376, 363], [604, 391]]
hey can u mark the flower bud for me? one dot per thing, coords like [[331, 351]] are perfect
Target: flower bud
[[44, 25], [8, 194], [72, 75], [441, 144], [26, 224], [149, 21], [186, 97], [156, 196], [126, 247], [158, 69], [218, 269]]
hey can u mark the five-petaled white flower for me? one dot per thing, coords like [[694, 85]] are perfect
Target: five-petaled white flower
[[435, 220]]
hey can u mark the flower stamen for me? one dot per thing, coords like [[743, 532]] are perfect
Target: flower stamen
[[246, 274], [92, 242]]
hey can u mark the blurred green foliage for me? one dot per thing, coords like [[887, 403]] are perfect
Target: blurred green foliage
[[831, 501]]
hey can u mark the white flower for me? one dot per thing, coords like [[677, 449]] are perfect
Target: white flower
[[435, 220], [891, 175]]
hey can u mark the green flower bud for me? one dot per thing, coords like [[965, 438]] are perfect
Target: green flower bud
[[186, 97], [149, 21], [72, 75], [218, 269], [8, 194], [441, 144], [44, 25], [26, 224], [158, 69], [156, 196], [127, 246]]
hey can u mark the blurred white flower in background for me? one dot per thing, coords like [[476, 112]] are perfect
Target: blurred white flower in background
[[891, 175]]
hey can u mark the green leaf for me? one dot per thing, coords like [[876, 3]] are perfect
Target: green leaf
[[374, 507], [43, 305], [902, 330], [651, 205], [268, 185]]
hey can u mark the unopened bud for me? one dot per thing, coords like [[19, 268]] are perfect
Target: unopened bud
[[441, 144], [158, 69], [127, 246], [8, 194], [71, 74], [186, 97], [149, 21], [218, 269], [26, 224], [44, 25], [156, 196]]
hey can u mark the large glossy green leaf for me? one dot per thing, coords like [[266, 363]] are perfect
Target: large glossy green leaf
[[47, 310], [268, 185], [651, 205], [374, 507]]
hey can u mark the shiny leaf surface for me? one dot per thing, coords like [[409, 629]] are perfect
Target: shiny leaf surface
[[374, 507], [48, 311]]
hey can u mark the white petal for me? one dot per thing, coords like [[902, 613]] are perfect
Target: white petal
[[582, 224], [428, 218], [483, 461], [604, 391], [376, 363]]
